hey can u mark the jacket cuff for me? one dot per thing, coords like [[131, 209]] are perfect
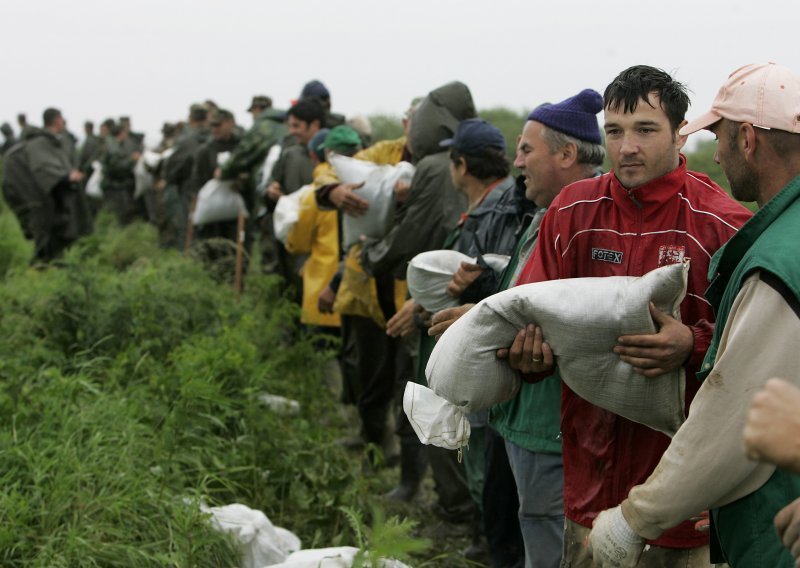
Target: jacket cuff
[[323, 197], [703, 330], [637, 523]]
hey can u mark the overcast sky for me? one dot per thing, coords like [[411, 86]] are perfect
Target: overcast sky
[[151, 58]]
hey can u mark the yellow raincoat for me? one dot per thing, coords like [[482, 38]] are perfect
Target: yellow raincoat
[[358, 293], [316, 233]]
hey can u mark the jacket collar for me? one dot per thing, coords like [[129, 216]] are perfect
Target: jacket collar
[[647, 198], [727, 258]]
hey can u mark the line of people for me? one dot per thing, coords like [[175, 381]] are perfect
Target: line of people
[[548, 479]]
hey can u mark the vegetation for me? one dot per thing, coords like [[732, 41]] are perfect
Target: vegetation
[[129, 393]]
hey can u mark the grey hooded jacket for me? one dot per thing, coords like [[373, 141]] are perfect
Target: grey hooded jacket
[[433, 206]]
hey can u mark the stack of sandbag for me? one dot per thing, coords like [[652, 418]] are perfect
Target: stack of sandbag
[[581, 319], [260, 542], [429, 273], [287, 212], [378, 190], [335, 557]]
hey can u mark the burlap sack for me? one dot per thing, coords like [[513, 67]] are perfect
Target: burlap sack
[[218, 201], [429, 273], [378, 190], [581, 319]]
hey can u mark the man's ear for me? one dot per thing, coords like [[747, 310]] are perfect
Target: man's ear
[[568, 155], [680, 140], [747, 140]]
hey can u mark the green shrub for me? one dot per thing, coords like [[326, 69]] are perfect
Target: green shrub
[[129, 391]]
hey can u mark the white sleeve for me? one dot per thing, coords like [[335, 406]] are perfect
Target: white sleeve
[[705, 464]]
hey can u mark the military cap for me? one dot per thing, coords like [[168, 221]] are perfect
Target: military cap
[[260, 101], [220, 116]]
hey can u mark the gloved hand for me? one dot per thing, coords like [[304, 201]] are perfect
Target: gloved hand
[[612, 542]]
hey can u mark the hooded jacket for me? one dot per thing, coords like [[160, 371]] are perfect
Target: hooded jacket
[[433, 206], [37, 188]]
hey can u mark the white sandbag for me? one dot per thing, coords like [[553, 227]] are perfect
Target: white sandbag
[[280, 404], [260, 542], [152, 159], [581, 319], [334, 557], [287, 212], [436, 421], [378, 190], [143, 179], [218, 201], [266, 168], [429, 273], [94, 187]]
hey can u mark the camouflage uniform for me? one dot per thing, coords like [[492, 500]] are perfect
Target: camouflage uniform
[[176, 199], [118, 182], [246, 160]]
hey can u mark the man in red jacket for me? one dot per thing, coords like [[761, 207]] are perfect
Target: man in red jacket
[[647, 212]]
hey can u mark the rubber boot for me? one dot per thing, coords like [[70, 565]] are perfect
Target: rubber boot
[[413, 464]]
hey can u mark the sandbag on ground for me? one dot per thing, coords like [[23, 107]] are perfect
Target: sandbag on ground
[[429, 273], [335, 557], [581, 319], [260, 542], [378, 190]]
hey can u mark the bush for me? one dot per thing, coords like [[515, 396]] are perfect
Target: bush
[[130, 382]]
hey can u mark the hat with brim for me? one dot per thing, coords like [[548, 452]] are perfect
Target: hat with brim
[[699, 123], [765, 95], [341, 138]]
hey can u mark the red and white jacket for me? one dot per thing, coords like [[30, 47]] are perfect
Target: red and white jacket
[[596, 227]]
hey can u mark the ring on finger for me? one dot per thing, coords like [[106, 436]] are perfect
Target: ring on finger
[[536, 360]]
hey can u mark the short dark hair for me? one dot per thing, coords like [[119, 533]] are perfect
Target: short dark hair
[[786, 145], [490, 163], [308, 110], [50, 115], [637, 82]]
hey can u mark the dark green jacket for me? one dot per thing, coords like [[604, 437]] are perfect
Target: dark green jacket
[[532, 419], [37, 188], [766, 243], [179, 166], [249, 155]]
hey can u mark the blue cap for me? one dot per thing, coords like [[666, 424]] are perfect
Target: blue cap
[[315, 89], [575, 116], [474, 135]]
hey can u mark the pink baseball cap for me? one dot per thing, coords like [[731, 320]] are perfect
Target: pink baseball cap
[[765, 95]]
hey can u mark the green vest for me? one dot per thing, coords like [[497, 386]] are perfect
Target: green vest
[[532, 419], [744, 528]]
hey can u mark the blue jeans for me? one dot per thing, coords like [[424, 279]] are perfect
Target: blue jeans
[[540, 485]]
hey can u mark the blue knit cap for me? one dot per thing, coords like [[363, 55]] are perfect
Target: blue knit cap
[[575, 116]]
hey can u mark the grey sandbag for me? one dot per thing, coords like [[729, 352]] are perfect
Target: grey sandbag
[[429, 273], [378, 190], [581, 319]]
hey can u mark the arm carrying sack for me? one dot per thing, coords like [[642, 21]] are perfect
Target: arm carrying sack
[[429, 273], [378, 190], [581, 319]]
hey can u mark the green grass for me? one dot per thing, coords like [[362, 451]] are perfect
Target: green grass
[[129, 383]]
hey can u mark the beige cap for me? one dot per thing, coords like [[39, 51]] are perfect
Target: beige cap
[[765, 95]]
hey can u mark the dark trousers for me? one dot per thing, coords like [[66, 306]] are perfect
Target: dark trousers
[[501, 506]]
